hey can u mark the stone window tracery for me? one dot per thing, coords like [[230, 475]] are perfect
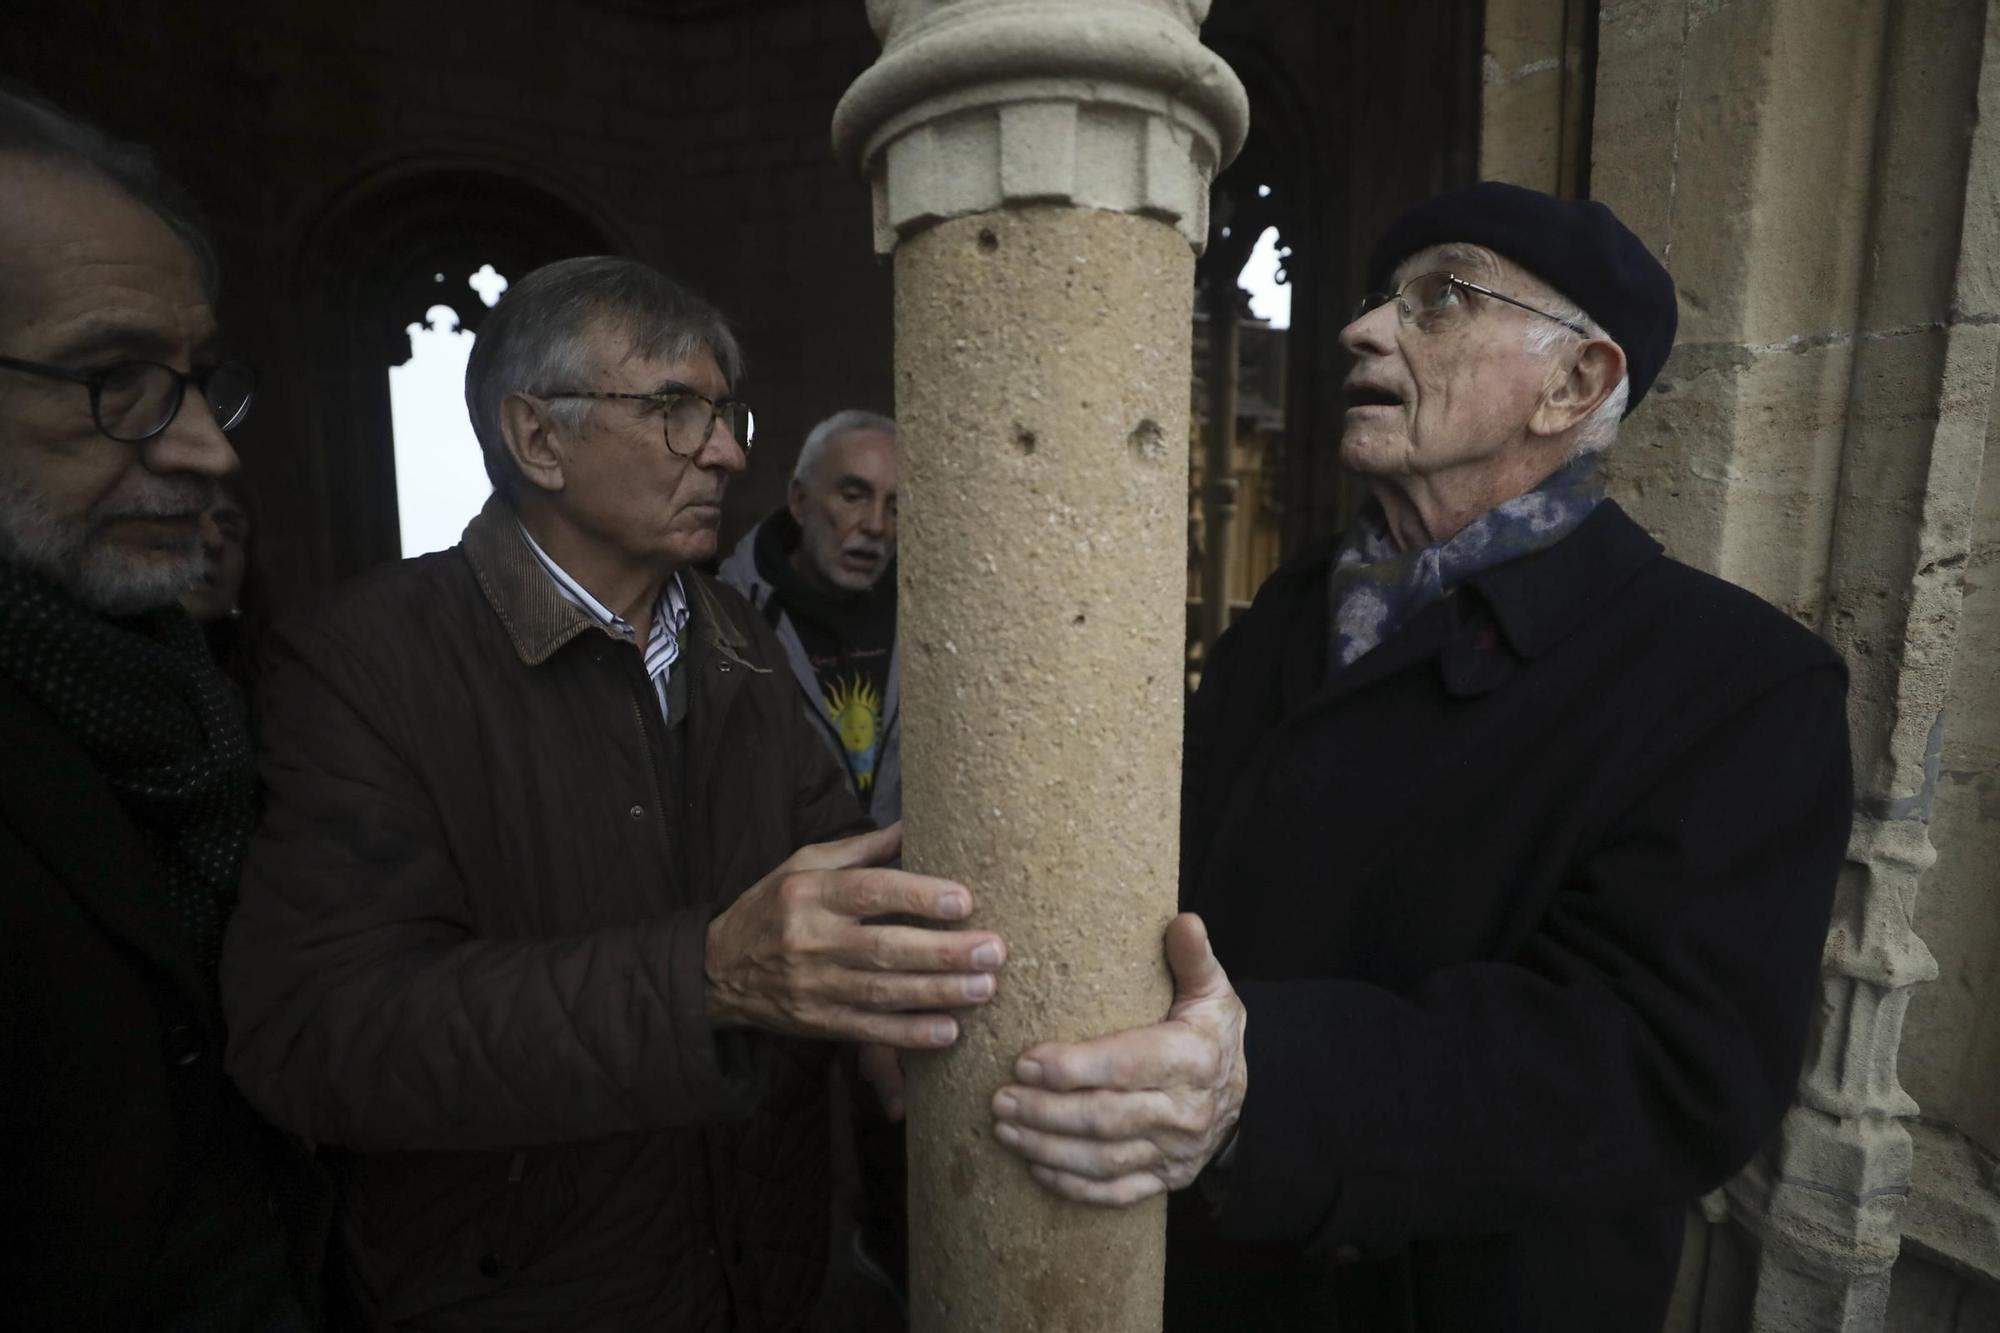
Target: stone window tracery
[[440, 476]]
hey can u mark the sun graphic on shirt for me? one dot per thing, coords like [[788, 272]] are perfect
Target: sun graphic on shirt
[[855, 708]]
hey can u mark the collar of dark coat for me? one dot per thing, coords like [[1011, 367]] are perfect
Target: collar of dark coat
[[1534, 603], [539, 619], [1540, 599]]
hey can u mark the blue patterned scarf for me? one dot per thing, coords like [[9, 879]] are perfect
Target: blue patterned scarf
[[1376, 589]]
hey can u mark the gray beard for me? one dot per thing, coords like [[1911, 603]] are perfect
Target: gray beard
[[72, 553]]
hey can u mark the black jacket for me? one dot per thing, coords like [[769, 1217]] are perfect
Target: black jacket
[[1526, 907], [139, 1187]]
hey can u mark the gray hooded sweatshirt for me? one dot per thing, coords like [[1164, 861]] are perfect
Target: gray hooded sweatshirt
[[884, 801]]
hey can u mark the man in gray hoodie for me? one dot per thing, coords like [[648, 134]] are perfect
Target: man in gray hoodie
[[822, 572]]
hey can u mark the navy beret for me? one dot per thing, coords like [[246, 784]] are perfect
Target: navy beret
[[1577, 246]]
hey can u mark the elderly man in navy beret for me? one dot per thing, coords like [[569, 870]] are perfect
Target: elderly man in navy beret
[[1517, 841]]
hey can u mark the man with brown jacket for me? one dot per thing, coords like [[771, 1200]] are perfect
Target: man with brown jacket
[[525, 942]]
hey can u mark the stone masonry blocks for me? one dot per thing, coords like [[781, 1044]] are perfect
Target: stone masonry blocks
[[1820, 177]]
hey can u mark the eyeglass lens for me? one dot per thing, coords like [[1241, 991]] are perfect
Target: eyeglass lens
[[135, 401], [691, 421], [138, 400], [229, 390], [1421, 295]]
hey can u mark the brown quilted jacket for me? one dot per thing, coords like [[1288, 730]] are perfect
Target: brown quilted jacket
[[468, 957]]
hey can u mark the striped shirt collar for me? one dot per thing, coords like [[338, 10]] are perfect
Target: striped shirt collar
[[670, 617]]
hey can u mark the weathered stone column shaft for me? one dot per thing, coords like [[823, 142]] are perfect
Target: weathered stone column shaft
[[1044, 468], [1040, 169]]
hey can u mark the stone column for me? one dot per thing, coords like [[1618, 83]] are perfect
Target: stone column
[[1040, 172]]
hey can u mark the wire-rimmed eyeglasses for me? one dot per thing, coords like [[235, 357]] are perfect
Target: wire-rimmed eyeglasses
[[134, 401], [1430, 293]]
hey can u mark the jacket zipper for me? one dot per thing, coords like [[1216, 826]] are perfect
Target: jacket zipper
[[652, 764], [716, 1241]]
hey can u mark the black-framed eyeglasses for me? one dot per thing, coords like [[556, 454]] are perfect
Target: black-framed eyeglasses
[[134, 401], [690, 416], [1430, 293]]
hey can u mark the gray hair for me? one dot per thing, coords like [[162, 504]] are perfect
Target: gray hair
[[823, 434], [1600, 428], [33, 127], [536, 342]]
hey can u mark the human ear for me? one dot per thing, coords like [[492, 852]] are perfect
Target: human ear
[[532, 441], [1578, 387], [795, 499]]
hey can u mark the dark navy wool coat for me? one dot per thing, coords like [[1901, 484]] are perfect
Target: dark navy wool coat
[[1526, 907]]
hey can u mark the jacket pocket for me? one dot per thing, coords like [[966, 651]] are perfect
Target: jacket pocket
[[536, 1196]]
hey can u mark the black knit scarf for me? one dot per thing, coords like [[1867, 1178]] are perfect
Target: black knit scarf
[[161, 724]]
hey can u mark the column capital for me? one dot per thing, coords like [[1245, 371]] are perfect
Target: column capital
[[976, 105]]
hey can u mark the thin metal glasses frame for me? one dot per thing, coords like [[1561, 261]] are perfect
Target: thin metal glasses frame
[[1407, 311]]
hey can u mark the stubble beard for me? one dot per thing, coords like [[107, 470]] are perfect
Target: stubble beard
[[74, 553]]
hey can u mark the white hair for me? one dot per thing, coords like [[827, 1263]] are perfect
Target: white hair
[[1600, 428], [823, 434]]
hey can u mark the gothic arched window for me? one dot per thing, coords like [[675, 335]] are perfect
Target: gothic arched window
[[399, 273]]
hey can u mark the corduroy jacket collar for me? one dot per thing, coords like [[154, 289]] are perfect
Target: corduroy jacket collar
[[540, 620]]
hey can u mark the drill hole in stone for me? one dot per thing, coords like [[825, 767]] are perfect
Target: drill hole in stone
[[1024, 439], [1078, 619], [988, 240], [1148, 441]]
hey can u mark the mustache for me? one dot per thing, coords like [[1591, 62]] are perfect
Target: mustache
[[158, 497]]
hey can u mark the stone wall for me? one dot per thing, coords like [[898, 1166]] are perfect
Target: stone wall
[[1537, 72], [1823, 178]]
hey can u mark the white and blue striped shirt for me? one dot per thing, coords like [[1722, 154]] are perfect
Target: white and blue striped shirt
[[670, 617]]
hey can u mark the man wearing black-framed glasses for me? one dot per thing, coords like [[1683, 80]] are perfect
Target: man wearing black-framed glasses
[[110, 461], [143, 1184]]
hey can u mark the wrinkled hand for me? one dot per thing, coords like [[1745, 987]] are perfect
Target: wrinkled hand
[[1125, 1117], [794, 955]]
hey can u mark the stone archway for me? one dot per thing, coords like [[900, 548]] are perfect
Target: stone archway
[[368, 269]]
